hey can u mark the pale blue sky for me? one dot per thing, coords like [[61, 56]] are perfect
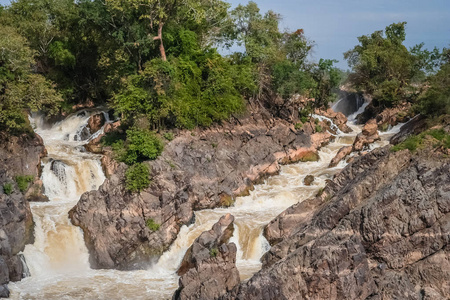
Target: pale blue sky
[[334, 25]]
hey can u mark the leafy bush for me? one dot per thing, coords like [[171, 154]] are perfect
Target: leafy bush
[[168, 136], [8, 188], [213, 252], [140, 145], [298, 125], [152, 225], [137, 177], [411, 143], [319, 128], [23, 181]]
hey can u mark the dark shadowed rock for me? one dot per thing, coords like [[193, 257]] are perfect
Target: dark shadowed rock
[[309, 179], [19, 155], [379, 230], [208, 269]]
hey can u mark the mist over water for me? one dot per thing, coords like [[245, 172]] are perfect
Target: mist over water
[[58, 260]]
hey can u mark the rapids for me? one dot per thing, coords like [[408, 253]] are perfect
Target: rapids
[[58, 260]]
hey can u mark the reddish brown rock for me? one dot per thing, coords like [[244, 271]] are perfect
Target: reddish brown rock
[[96, 122], [368, 135], [342, 153]]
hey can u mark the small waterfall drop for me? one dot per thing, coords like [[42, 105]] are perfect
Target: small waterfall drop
[[58, 260]]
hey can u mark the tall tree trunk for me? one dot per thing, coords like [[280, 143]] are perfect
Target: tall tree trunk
[[161, 45]]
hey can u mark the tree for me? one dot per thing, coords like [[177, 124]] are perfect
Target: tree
[[327, 78], [382, 66], [20, 89]]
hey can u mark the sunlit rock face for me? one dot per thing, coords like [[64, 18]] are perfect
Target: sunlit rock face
[[379, 230]]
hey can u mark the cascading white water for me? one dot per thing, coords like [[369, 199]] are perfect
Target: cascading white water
[[58, 260]]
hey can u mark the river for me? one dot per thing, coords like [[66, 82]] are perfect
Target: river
[[58, 260]]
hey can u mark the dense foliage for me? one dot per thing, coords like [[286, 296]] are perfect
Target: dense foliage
[[153, 60], [137, 177], [386, 70]]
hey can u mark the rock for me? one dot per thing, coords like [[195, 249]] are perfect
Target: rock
[[393, 116], [379, 230], [414, 126], [208, 269], [196, 171], [338, 118], [368, 135], [96, 122], [342, 153], [95, 145], [4, 292], [19, 156], [35, 192], [309, 179]]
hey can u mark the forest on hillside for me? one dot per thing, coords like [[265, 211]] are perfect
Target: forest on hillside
[[160, 65]]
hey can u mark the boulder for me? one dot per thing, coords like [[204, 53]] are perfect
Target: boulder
[[342, 153], [96, 122], [368, 135], [208, 269], [309, 179]]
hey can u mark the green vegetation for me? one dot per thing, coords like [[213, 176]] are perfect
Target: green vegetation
[[23, 181], [318, 128], [140, 145], [414, 142], [213, 252], [137, 177], [8, 188], [385, 69], [152, 225], [168, 136], [298, 125]]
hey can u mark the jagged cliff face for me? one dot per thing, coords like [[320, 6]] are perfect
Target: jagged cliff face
[[203, 170], [380, 230], [19, 156]]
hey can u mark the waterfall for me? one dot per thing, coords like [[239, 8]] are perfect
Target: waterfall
[[348, 103], [58, 260]]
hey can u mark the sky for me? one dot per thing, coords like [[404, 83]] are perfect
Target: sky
[[334, 25]]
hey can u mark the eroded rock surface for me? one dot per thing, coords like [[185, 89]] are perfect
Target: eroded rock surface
[[19, 156], [208, 269], [379, 230], [197, 170]]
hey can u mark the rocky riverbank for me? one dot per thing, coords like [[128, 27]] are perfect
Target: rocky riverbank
[[379, 230], [197, 170], [20, 160]]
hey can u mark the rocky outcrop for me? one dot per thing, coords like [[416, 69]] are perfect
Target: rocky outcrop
[[19, 156], [339, 119], [368, 135], [197, 170], [379, 230], [208, 269], [96, 122]]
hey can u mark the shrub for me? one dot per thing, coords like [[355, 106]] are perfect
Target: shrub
[[8, 188], [140, 145], [137, 177], [23, 181], [414, 142], [213, 252], [318, 128], [152, 225], [298, 125], [168, 136]]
